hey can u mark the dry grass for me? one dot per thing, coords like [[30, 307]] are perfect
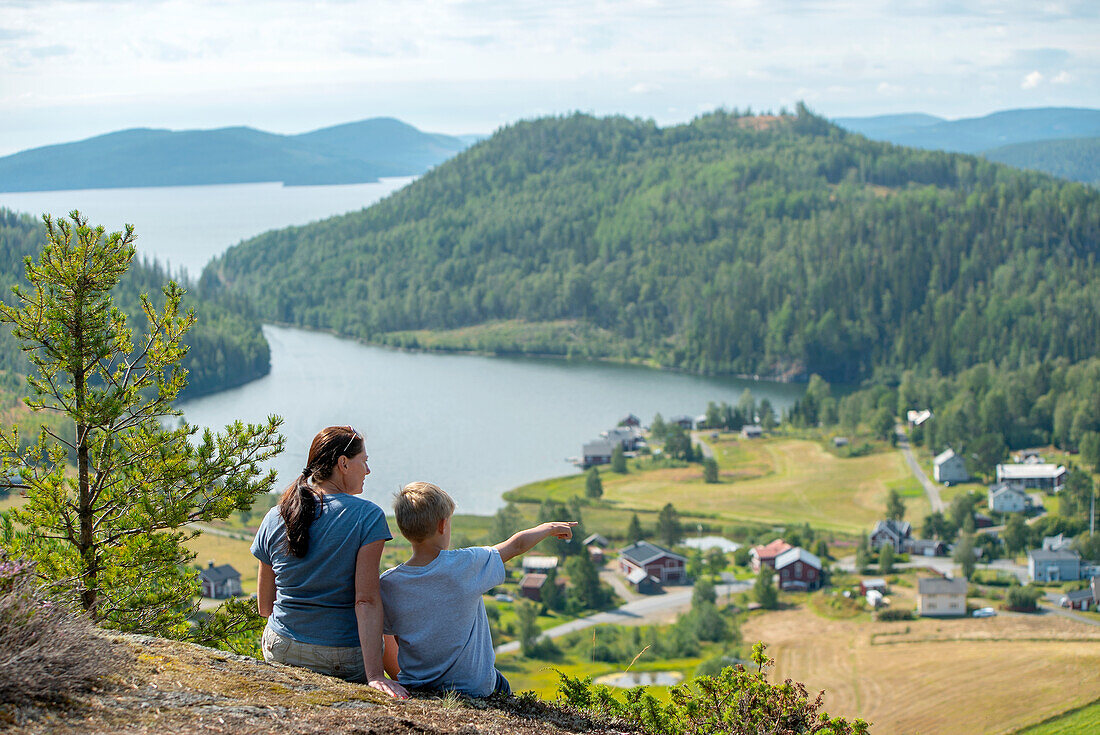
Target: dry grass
[[173, 687], [775, 481], [991, 675]]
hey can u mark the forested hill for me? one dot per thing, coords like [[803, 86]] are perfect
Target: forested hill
[[768, 245], [227, 347], [344, 154]]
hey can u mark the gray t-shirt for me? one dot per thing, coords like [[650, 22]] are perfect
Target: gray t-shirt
[[315, 594], [438, 617]]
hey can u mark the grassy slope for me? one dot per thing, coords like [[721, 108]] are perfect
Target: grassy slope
[[1083, 721], [779, 481]]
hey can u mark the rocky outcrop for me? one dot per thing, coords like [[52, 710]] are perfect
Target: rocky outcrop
[[172, 687]]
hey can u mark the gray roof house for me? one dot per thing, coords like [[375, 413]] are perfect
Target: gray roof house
[[1033, 475], [949, 467], [1005, 498], [895, 533], [220, 582], [941, 596], [1053, 566], [597, 451], [1056, 543]]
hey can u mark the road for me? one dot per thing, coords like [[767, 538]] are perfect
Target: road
[[930, 488], [647, 610], [944, 565]]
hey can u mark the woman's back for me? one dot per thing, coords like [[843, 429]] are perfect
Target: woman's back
[[315, 594]]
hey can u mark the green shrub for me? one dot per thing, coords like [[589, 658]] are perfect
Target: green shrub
[[1023, 599], [735, 702], [894, 614]]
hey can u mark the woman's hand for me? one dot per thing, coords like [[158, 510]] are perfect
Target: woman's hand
[[389, 687]]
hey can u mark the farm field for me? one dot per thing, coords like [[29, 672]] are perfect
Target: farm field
[[930, 676], [1084, 721], [770, 481]]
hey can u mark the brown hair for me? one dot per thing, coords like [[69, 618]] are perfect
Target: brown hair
[[419, 508], [299, 504]]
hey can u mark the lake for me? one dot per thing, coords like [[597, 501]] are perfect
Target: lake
[[186, 226], [477, 426]]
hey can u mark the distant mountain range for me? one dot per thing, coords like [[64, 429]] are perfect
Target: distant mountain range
[[353, 153], [1038, 138]]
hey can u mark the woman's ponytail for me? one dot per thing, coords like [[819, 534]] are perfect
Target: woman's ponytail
[[298, 507]]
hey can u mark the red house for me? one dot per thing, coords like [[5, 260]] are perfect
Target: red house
[[798, 570], [767, 553], [665, 566]]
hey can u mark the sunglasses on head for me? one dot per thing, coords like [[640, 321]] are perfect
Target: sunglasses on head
[[354, 436]]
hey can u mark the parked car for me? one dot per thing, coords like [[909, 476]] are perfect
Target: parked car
[[501, 597], [984, 612]]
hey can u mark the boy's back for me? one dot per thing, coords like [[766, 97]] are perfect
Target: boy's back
[[438, 617]]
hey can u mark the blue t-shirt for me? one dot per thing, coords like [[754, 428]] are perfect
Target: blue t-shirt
[[315, 594], [438, 617]]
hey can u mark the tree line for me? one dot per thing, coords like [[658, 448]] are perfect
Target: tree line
[[711, 246], [226, 347]]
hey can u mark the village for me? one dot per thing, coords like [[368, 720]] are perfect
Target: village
[[657, 531]]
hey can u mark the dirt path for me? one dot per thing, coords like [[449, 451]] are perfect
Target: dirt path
[[930, 488]]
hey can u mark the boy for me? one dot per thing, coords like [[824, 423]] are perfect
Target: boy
[[433, 604]]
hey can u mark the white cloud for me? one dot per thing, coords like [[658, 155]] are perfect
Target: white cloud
[[1032, 80], [466, 65]]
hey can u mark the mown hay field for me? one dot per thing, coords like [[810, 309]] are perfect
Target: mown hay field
[[779, 481], [991, 675]]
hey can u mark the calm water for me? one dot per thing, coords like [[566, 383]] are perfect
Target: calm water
[[186, 226], [477, 426]]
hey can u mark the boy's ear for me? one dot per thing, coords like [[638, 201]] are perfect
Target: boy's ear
[[442, 526]]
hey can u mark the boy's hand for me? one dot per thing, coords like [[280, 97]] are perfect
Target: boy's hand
[[560, 529]]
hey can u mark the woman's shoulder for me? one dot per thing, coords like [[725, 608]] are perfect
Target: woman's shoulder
[[355, 506]]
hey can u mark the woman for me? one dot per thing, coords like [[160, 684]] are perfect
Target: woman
[[319, 550]]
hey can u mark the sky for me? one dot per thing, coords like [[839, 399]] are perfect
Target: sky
[[70, 69]]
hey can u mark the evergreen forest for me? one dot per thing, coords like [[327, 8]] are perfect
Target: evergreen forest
[[226, 346], [781, 246]]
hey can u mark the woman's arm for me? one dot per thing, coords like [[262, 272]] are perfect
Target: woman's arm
[[368, 614], [265, 590]]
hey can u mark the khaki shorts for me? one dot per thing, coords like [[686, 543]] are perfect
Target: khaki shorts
[[338, 661]]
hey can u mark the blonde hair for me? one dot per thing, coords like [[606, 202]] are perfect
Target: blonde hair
[[419, 508]]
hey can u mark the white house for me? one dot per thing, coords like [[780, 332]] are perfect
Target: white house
[[1005, 498], [949, 467], [539, 564], [916, 418], [1040, 476], [941, 597]]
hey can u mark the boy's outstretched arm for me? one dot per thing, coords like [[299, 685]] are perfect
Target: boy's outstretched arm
[[524, 541]]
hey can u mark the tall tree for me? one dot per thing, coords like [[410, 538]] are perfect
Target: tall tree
[[895, 506], [593, 485], [764, 591], [634, 530], [110, 535], [669, 528], [618, 460], [964, 555]]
